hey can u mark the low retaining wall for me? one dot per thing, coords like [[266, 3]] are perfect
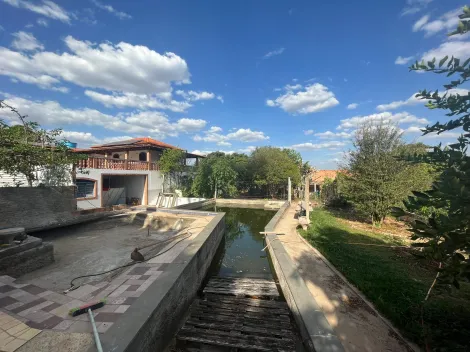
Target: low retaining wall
[[32, 254], [316, 332], [275, 219], [151, 322], [33, 207], [195, 205]]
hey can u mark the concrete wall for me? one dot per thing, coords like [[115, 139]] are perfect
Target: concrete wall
[[32, 207], [134, 154], [151, 322], [154, 185]]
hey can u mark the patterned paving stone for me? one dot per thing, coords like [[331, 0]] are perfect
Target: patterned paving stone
[[28, 305], [46, 324], [51, 307], [103, 327], [138, 271], [6, 301], [133, 288], [34, 290], [111, 317], [63, 325], [6, 288]]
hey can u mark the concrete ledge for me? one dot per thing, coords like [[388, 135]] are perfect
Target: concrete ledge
[[316, 332], [195, 205], [275, 219], [33, 256], [250, 203], [151, 322]]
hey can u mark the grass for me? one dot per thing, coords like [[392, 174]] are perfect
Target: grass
[[395, 281]]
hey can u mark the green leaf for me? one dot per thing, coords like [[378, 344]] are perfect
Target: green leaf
[[443, 60]]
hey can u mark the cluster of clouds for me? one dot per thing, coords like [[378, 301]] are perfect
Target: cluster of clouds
[[215, 135], [456, 45], [300, 99], [51, 10]]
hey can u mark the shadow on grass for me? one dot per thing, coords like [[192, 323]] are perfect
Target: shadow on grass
[[395, 282]]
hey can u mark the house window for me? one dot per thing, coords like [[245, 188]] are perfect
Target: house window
[[116, 156], [142, 156], [86, 188]]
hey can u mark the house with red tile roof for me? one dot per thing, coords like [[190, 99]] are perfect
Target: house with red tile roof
[[123, 172], [319, 177]]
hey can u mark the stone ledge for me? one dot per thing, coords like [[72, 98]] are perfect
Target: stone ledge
[[315, 330]]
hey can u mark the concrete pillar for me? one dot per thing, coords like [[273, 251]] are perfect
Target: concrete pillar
[[106, 160], [126, 157], [307, 197], [315, 188], [289, 190], [149, 161]]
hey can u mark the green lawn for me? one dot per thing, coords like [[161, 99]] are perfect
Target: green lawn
[[395, 282]]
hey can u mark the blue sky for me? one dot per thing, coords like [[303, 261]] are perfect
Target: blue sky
[[225, 75]]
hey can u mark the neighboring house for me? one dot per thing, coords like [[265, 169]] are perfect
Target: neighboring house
[[124, 172], [319, 177]]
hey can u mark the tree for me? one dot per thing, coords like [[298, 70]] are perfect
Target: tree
[[171, 165], [215, 177], [376, 179], [271, 167], [445, 234], [37, 154]]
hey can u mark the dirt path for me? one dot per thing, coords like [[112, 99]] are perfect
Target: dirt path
[[356, 323]]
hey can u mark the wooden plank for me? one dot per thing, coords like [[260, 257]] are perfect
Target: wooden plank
[[248, 301], [247, 320], [263, 331], [223, 338], [240, 308]]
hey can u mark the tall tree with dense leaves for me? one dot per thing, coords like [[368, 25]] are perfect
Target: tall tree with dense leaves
[[171, 165], [215, 177], [37, 154], [376, 178], [445, 235], [272, 167]]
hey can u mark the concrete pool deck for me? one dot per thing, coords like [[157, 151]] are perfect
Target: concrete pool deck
[[35, 317], [335, 316]]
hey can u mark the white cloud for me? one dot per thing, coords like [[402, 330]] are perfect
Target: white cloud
[[42, 22], [246, 150], [51, 113], [447, 21], [311, 146], [458, 49], [313, 98], [86, 139], [46, 8], [213, 135], [414, 6], [403, 60], [332, 135], [195, 96], [274, 53], [420, 23], [388, 117], [247, 135], [413, 129], [220, 98], [415, 101], [352, 106], [308, 132], [140, 101], [112, 10], [25, 42], [121, 68], [214, 129]]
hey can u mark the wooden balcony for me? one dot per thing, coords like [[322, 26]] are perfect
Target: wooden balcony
[[117, 164]]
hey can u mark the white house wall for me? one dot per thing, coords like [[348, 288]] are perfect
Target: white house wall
[[154, 185]]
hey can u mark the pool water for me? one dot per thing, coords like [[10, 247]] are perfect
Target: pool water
[[241, 254]]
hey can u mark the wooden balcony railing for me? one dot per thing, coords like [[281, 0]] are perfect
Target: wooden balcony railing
[[117, 164]]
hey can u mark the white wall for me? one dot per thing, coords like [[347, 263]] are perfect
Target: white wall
[[187, 200], [134, 154], [154, 185]]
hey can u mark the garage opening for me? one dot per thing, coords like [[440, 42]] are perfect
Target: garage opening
[[124, 189]]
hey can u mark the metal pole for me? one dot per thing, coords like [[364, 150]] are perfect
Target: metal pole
[[95, 332]]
